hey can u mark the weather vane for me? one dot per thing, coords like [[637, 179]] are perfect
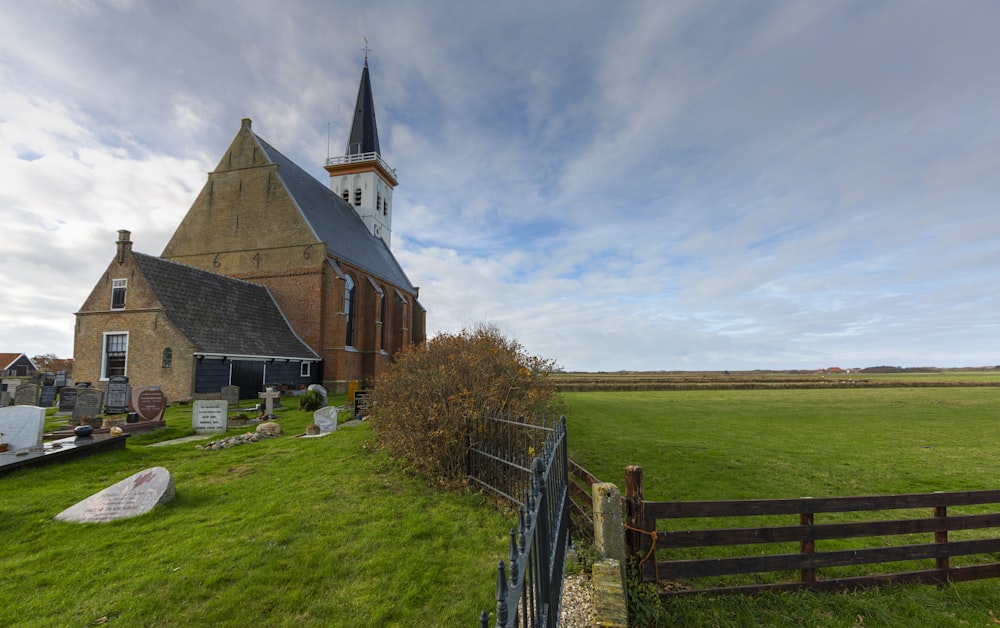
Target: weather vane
[[366, 50]]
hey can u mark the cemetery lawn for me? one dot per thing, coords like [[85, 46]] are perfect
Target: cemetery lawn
[[728, 444], [289, 531]]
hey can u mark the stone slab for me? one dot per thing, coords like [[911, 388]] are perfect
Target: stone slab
[[209, 416], [27, 395], [59, 451], [88, 403], [326, 419], [22, 427], [135, 495]]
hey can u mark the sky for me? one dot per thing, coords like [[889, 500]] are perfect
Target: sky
[[684, 185]]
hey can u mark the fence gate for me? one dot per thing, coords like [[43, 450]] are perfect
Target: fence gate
[[512, 458]]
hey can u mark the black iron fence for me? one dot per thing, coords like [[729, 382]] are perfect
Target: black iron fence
[[514, 457]]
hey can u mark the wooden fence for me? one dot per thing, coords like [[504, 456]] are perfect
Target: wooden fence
[[649, 545], [581, 497]]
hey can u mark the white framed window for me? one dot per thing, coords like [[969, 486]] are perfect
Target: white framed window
[[306, 369], [118, 287], [114, 356]]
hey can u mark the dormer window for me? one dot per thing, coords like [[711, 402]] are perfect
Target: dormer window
[[354, 149], [118, 287]]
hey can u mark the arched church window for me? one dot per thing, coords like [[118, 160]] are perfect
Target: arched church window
[[346, 194], [357, 197], [168, 358], [382, 315], [349, 294]]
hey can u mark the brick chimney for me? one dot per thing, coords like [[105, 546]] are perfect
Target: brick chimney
[[124, 244]]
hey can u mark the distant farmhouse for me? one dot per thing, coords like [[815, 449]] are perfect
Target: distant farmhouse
[[16, 364], [272, 278]]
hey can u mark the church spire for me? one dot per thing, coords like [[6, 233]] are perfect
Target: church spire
[[364, 131], [361, 177]]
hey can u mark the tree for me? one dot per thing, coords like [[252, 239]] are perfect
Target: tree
[[422, 405]]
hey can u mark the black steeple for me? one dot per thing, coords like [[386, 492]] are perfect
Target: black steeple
[[364, 131]]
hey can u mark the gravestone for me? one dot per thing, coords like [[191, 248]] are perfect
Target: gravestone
[[135, 495], [149, 402], [5, 399], [10, 384], [48, 396], [320, 390], [209, 416], [88, 403], [231, 395], [269, 396], [118, 395], [67, 400], [61, 379], [362, 399], [27, 395], [326, 419], [22, 427]]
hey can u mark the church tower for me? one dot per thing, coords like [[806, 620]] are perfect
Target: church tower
[[360, 176]]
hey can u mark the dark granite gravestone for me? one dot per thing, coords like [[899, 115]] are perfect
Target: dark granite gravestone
[[88, 403], [67, 399], [133, 496], [61, 379], [27, 395], [118, 395], [149, 402], [231, 395], [48, 396], [362, 399]]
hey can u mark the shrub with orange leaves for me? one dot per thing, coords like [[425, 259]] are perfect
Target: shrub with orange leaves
[[423, 405]]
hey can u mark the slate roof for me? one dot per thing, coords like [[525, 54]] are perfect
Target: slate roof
[[222, 315], [364, 131], [335, 222]]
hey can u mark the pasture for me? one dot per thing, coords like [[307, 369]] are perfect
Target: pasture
[[770, 443]]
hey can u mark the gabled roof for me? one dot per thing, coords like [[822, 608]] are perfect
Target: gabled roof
[[364, 131], [7, 360], [336, 223], [222, 315]]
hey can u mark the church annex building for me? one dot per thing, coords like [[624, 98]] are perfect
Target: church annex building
[[272, 278]]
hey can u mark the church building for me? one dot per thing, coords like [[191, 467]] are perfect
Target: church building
[[272, 278]]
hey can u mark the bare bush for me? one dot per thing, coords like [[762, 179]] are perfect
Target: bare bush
[[422, 406]]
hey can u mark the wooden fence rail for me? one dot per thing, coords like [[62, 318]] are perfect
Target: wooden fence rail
[[644, 540], [581, 497]]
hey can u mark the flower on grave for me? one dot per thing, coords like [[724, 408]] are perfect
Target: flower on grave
[[115, 431]]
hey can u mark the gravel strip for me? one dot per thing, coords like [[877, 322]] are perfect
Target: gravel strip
[[577, 602]]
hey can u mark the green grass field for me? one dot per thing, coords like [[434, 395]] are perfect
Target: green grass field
[[284, 532], [735, 444]]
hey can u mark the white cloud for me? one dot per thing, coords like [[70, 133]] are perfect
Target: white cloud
[[650, 185]]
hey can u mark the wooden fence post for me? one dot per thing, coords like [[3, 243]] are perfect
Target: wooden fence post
[[635, 514], [807, 546], [941, 536]]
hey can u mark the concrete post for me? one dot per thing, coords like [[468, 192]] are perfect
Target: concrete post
[[609, 530]]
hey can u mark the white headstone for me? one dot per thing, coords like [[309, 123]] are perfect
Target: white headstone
[[209, 416], [326, 419], [135, 495], [22, 426]]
